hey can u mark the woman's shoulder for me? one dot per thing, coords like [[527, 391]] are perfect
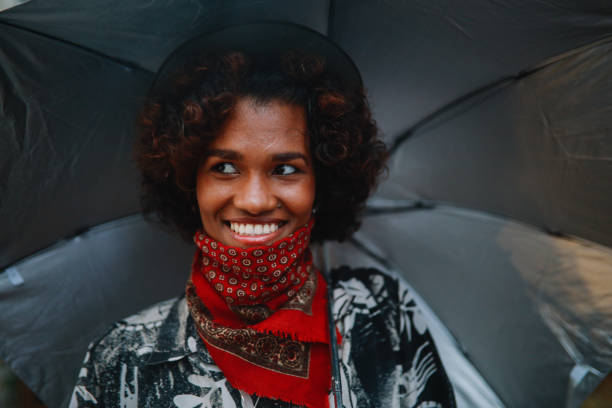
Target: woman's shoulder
[[130, 348], [135, 337], [375, 298], [148, 319], [388, 351], [366, 274], [370, 291], [366, 285]]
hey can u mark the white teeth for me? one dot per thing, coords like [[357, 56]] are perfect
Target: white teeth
[[253, 229]]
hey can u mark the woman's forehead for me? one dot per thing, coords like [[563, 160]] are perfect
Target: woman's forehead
[[272, 125]]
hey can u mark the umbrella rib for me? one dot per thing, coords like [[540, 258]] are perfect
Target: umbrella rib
[[116, 60], [497, 84], [372, 211], [74, 233], [417, 205], [449, 106]]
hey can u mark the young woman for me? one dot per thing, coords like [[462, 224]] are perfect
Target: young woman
[[254, 151]]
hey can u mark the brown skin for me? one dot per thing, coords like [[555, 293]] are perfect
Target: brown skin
[[258, 170]]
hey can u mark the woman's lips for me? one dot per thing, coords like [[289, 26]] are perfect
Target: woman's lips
[[254, 229], [250, 233]]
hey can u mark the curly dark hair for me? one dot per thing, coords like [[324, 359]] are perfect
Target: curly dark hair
[[178, 126]]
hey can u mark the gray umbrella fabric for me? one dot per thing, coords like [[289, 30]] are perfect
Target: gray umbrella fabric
[[531, 311], [540, 148], [498, 106]]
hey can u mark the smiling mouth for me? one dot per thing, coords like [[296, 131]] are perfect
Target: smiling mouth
[[253, 230]]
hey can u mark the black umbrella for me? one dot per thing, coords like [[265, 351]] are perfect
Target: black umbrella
[[496, 106]]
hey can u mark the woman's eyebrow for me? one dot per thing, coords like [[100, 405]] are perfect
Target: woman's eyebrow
[[225, 154], [288, 156]]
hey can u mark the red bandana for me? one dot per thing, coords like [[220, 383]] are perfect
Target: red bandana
[[262, 314]]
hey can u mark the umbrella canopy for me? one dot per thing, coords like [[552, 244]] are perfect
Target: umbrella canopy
[[496, 106]]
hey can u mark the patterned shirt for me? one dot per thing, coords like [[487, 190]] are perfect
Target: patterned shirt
[[156, 359]]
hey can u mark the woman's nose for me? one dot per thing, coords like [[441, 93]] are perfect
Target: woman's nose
[[255, 195]]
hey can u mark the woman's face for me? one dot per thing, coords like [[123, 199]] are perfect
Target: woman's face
[[257, 182]]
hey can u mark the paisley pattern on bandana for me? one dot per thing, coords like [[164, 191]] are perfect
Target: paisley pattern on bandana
[[280, 354]]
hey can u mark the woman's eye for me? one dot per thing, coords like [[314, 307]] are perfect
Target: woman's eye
[[285, 170], [225, 168]]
